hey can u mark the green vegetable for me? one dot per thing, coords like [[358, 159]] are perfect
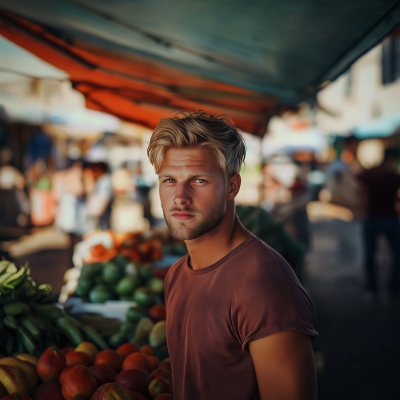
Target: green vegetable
[[100, 294], [11, 322], [156, 285], [16, 308], [94, 337], [29, 342], [158, 335], [145, 324], [127, 329], [84, 286], [135, 313], [145, 297], [29, 323], [116, 340], [70, 330], [112, 273], [145, 272], [126, 286], [91, 270], [49, 311]]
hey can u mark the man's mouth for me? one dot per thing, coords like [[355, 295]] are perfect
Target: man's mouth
[[182, 215]]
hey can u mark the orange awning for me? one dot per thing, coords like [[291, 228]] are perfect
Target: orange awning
[[136, 89], [141, 60]]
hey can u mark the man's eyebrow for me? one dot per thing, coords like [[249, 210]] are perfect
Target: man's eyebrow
[[166, 175]]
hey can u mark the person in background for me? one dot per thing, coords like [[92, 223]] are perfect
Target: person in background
[[14, 203], [142, 189], [68, 192], [10, 177], [99, 190], [381, 186], [122, 180]]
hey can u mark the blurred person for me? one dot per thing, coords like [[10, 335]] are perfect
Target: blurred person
[[239, 323], [10, 177], [39, 176], [38, 158], [345, 189], [301, 196], [39, 147], [69, 194], [100, 194], [14, 203], [381, 186], [122, 180], [142, 189]]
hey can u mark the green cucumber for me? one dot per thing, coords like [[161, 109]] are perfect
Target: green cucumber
[[70, 330]]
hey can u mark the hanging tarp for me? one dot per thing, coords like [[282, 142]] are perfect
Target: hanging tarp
[[142, 60]]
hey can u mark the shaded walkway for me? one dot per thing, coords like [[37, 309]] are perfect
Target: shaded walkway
[[359, 337]]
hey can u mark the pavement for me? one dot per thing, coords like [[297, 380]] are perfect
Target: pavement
[[359, 344]]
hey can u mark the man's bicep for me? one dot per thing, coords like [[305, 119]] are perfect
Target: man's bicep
[[284, 365]]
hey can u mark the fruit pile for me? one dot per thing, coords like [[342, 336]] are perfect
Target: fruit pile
[[121, 279], [29, 323], [101, 246], [128, 373], [141, 328]]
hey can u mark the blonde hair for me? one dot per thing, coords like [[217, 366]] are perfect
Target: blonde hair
[[198, 129]]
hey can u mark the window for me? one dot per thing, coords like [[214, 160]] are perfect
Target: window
[[390, 60]]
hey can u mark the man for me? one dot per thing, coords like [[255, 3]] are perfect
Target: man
[[382, 184], [239, 324]]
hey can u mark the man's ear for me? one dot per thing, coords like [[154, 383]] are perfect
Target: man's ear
[[234, 186]]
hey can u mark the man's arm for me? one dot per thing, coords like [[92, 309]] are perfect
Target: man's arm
[[284, 364]]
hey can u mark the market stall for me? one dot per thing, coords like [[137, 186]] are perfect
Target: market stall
[[104, 335], [49, 350]]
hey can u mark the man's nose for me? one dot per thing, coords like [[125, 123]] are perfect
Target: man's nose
[[182, 197]]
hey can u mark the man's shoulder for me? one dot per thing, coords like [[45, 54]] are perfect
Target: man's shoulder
[[260, 266], [260, 254], [267, 295]]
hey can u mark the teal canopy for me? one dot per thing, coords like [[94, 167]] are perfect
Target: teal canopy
[[276, 52]]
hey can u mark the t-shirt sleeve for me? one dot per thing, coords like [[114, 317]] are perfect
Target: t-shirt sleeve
[[270, 299]]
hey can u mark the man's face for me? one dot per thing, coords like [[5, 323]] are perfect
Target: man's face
[[192, 191]]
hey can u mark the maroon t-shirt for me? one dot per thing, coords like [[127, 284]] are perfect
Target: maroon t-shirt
[[213, 313]]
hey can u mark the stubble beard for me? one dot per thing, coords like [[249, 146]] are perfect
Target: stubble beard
[[180, 231]]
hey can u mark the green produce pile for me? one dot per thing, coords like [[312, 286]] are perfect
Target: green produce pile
[[143, 333], [120, 279], [29, 323], [142, 327]]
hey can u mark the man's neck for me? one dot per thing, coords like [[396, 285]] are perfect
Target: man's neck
[[216, 244]]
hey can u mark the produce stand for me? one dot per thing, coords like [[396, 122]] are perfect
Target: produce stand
[[81, 336]]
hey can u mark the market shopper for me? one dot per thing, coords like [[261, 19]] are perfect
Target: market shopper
[[382, 184], [239, 324]]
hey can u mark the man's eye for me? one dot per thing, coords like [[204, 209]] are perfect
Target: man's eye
[[169, 180], [200, 180]]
